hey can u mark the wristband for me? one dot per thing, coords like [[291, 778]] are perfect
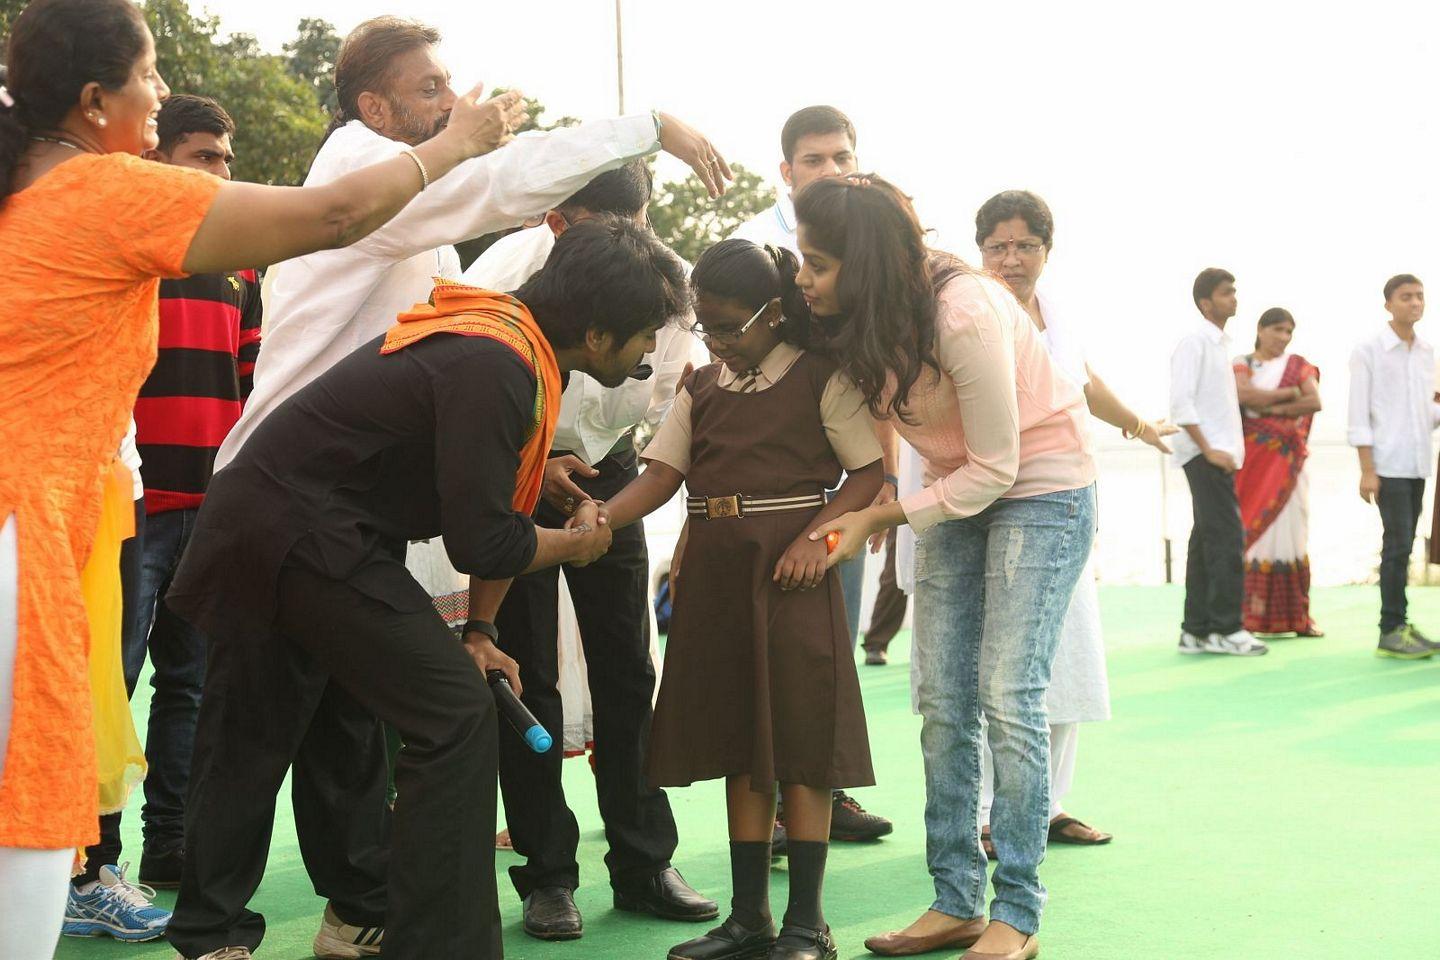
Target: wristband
[[419, 165], [891, 479], [480, 626]]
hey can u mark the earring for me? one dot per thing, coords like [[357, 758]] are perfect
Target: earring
[[100, 122]]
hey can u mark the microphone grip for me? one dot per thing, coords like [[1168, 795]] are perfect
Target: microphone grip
[[536, 737]]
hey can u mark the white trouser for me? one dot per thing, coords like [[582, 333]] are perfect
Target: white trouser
[[33, 883], [1064, 740]]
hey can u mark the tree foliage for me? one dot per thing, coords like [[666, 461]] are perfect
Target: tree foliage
[[687, 220], [311, 56]]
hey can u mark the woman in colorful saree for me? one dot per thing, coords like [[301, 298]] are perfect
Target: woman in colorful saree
[[1279, 397]]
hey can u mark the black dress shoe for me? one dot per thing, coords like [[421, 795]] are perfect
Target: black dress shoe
[[667, 896], [802, 943], [161, 864], [551, 914], [729, 941]]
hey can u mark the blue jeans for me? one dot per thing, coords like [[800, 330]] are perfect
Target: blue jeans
[[991, 593], [177, 653]]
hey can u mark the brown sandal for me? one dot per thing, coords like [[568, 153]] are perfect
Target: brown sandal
[[1058, 835], [987, 844]]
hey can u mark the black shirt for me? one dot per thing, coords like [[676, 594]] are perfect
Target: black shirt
[[376, 452]]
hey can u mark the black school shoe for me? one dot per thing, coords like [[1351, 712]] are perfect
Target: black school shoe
[[850, 822], [161, 864], [802, 943], [729, 941], [551, 914], [667, 896]]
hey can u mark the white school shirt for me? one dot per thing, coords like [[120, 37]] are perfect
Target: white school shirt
[[1392, 404], [774, 225], [326, 304], [1202, 393], [593, 417], [1063, 342]]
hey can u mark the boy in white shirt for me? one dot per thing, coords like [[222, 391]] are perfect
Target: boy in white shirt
[[1211, 447], [1392, 415]]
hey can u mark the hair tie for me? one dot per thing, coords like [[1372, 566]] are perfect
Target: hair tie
[[6, 100]]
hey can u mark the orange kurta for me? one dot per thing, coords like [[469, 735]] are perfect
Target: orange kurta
[[86, 246]]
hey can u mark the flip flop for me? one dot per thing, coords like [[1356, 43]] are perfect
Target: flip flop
[[1058, 835], [987, 844]]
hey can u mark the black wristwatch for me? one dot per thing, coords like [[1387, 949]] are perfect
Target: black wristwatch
[[480, 626]]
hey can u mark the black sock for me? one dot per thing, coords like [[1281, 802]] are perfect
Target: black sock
[[750, 883], [807, 876]]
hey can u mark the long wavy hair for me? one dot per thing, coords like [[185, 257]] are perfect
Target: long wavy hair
[[887, 285]]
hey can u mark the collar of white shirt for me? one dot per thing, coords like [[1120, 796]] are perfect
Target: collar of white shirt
[[1214, 333], [1389, 339], [772, 368]]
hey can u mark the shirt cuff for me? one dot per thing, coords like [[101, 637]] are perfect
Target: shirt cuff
[[923, 508], [1358, 437]]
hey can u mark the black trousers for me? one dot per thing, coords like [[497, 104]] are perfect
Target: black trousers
[[308, 695], [610, 598], [1400, 501], [1215, 565]]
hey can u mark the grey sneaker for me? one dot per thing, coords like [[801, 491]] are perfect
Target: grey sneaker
[[1190, 643], [338, 940], [1241, 643], [1402, 644], [1420, 638]]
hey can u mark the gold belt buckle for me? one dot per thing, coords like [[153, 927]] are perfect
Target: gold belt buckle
[[718, 508]]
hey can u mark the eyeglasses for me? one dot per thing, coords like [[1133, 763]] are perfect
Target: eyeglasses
[[727, 336], [996, 249]]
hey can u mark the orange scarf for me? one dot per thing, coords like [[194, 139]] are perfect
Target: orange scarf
[[473, 312]]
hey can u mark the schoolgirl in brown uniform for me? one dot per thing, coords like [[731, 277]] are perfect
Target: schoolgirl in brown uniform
[[759, 685]]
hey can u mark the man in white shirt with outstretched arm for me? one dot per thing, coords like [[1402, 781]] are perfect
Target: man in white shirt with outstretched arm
[[395, 93], [1211, 447], [1391, 418]]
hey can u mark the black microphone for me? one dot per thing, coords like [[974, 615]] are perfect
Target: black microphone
[[536, 737], [642, 371]]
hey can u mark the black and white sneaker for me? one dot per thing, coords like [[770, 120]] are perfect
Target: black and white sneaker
[[1241, 643], [1190, 643]]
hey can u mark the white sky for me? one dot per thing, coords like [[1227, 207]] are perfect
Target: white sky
[[1292, 143]]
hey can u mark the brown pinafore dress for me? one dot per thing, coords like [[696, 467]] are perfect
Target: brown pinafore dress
[[758, 680]]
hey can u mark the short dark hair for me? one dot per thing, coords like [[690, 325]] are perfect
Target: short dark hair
[[1208, 280], [810, 121], [1009, 205], [608, 273], [752, 276], [185, 113], [1398, 281], [624, 191]]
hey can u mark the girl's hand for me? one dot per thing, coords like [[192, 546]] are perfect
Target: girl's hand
[[854, 528], [1154, 434], [802, 565]]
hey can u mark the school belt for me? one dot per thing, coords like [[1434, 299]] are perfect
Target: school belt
[[740, 505]]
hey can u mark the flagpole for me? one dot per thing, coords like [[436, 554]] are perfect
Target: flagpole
[[619, 59]]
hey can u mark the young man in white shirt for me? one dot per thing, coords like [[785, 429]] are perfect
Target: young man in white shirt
[[818, 142], [1211, 447], [1392, 415], [592, 457], [394, 93]]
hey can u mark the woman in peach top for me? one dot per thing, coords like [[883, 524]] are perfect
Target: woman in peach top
[[951, 359], [90, 229]]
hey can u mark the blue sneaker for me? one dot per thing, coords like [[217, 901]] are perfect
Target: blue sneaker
[[115, 908]]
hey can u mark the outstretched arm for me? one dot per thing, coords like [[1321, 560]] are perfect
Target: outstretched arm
[[644, 495]]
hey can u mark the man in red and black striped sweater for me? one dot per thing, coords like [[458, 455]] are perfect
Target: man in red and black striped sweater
[[209, 339]]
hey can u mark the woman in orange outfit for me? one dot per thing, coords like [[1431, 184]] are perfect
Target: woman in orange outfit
[[89, 229]]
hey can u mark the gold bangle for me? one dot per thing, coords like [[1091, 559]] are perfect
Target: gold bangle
[[419, 165]]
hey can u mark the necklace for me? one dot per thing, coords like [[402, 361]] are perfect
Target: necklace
[[63, 143]]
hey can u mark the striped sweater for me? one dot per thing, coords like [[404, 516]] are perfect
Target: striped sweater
[[209, 339]]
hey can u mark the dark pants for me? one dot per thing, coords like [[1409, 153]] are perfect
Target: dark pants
[[107, 850], [610, 598], [308, 695], [1214, 568], [1400, 501], [888, 616], [177, 654]]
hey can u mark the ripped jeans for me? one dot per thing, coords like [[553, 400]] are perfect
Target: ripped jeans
[[991, 593]]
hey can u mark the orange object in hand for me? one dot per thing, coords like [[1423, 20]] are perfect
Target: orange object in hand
[[832, 541]]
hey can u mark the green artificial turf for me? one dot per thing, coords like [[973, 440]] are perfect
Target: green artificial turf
[[1282, 806]]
